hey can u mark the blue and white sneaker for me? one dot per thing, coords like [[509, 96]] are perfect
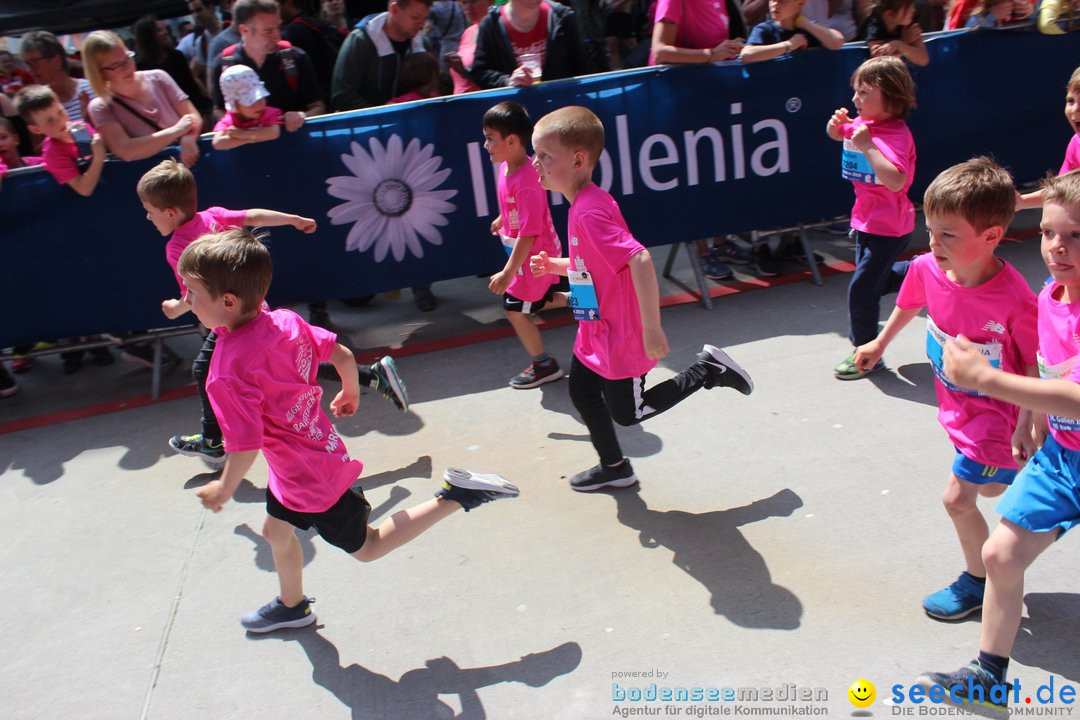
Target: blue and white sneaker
[[389, 384], [275, 616], [958, 600], [471, 489], [730, 252], [979, 679], [723, 371]]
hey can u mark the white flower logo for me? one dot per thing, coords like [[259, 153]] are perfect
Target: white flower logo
[[390, 198]]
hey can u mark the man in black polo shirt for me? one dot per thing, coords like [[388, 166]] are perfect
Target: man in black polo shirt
[[285, 70]]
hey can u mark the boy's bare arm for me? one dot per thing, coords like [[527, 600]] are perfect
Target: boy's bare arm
[[216, 493], [259, 217], [828, 37], [501, 280], [967, 367], [643, 275], [542, 264], [174, 308], [347, 400], [86, 183], [866, 356]]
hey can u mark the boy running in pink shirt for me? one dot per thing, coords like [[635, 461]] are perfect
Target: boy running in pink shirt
[[264, 392], [1043, 502], [967, 290], [615, 298], [525, 227]]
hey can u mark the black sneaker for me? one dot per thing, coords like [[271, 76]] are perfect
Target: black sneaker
[[537, 374], [275, 616], [971, 676], [603, 476], [764, 263], [198, 446], [424, 298], [471, 490], [723, 371], [388, 383]]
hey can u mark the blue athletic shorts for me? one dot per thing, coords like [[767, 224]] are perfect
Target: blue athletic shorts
[[1045, 495], [975, 472]]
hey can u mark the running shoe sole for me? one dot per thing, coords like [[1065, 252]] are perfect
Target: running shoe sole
[[467, 480], [282, 625], [397, 385]]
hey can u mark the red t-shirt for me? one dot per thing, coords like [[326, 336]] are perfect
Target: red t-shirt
[[534, 41]]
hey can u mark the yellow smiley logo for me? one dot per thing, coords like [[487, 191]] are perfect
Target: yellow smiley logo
[[861, 693]]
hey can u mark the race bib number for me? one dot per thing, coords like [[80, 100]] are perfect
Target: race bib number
[[855, 167], [1056, 372], [935, 350], [583, 302]]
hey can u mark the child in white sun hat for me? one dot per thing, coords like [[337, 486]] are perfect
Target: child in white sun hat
[[249, 119]]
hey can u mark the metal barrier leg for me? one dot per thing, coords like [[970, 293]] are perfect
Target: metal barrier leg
[[155, 382], [672, 250], [702, 281], [804, 239]]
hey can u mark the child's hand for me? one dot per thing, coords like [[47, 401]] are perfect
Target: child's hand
[[867, 356], [499, 282], [886, 48], [496, 225], [1024, 443], [839, 118], [344, 403], [797, 42], [539, 264], [305, 225], [861, 138], [964, 365], [213, 495], [173, 308], [293, 120], [655, 342]]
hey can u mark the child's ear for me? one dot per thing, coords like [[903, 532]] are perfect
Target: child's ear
[[579, 159], [994, 234], [232, 303], [34, 129]]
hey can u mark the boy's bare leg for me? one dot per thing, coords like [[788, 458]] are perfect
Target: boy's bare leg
[[1007, 555], [527, 332], [971, 529], [404, 526], [288, 559]]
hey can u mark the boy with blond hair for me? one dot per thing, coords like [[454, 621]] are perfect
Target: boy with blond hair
[[262, 385], [169, 195], [1043, 502], [615, 297], [968, 290]]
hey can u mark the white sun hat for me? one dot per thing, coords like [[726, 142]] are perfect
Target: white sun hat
[[240, 84]]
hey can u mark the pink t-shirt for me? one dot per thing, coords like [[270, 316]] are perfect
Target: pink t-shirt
[[1059, 347], [878, 210], [600, 245], [263, 390], [467, 52], [1072, 156], [525, 213], [270, 116], [1000, 317], [210, 220], [701, 23], [165, 94], [61, 158]]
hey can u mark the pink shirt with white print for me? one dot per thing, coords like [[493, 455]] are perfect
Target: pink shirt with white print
[[601, 244], [1072, 156], [263, 390], [61, 158], [1059, 348], [269, 117], [524, 210], [999, 317], [210, 220], [878, 210]]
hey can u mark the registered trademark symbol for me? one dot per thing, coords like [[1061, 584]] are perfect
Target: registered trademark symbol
[[793, 105]]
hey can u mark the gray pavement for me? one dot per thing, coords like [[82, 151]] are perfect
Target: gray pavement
[[782, 538]]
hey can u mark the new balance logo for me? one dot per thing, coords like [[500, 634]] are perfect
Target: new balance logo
[[994, 327]]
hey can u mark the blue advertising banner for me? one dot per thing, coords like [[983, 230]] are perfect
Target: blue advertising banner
[[404, 194]]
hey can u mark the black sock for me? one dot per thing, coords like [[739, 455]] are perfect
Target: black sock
[[994, 664], [980, 580]]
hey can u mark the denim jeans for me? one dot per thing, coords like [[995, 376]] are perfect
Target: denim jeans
[[877, 273]]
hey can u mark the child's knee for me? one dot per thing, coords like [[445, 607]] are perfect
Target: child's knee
[[625, 418], [999, 554], [277, 531], [959, 496]]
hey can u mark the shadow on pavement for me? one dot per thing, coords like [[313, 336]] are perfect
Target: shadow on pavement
[[416, 694], [1049, 636], [709, 547]]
